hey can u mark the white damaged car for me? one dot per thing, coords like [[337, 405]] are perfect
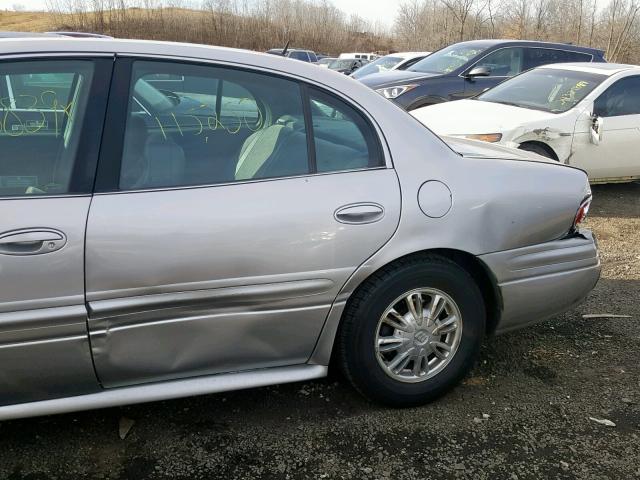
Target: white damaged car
[[583, 115]]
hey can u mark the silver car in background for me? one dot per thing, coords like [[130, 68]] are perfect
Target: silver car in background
[[181, 219]]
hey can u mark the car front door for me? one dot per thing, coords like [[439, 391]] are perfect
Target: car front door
[[223, 229], [615, 155], [52, 112], [502, 63]]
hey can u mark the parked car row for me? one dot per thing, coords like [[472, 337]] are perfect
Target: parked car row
[[560, 101], [583, 114], [183, 219]]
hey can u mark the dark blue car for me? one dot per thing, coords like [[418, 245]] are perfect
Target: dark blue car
[[465, 69]]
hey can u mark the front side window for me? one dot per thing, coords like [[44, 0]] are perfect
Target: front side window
[[42, 109], [217, 125], [343, 139], [621, 98], [504, 62], [448, 59], [548, 89]]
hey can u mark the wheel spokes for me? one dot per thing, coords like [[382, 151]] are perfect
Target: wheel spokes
[[418, 361], [397, 321], [437, 305], [389, 344], [447, 325], [415, 307], [440, 349]]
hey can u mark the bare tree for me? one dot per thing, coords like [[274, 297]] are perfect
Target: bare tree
[[460, 10]]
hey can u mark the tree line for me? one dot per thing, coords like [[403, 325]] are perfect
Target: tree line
[[319, 25]]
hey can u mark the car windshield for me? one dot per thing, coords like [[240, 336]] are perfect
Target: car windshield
[[383, 64], [448, 59], [340, 64], [548, 89]]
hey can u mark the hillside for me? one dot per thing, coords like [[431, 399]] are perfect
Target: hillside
[[25, 21]]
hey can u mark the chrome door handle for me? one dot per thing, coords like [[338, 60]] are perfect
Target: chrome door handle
[[31, 241], [359, 213]]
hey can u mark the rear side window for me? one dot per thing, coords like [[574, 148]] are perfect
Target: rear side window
[[216, 125], [621, 98], [343, 139], [43, 107], [578, 57], [535, 57]]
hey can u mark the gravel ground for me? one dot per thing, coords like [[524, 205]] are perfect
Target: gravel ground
[[523, 413]]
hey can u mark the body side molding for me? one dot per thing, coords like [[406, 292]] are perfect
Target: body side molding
[[166, 391]]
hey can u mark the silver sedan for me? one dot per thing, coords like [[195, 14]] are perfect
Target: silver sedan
[[181, 220]]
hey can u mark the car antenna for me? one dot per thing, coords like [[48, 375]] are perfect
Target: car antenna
[[286, 47]]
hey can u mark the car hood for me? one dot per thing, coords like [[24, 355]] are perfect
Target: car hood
[[394, 77], [478, 149], [464, 117]]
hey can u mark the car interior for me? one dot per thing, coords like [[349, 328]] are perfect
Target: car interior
[[253, 132], [43, 114]]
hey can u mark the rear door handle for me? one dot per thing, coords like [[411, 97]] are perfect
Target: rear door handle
[[31, 241], [359, 213]]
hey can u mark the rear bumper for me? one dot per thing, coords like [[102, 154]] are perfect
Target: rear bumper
[[540, 281]]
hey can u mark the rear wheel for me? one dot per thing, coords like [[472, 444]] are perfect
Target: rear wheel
[[539, 149], [412, 332]]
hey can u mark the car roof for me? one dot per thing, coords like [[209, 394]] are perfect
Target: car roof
[[530, 43], [608, 69], [80, 34], [100, 47]]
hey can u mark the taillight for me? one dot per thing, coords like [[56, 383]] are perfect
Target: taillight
[[583, 211]]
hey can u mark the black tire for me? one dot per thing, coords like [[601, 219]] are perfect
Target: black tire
[[539, 149], [356, 336]]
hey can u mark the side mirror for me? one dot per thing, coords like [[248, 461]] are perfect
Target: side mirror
[[478, 72], [596, 129]]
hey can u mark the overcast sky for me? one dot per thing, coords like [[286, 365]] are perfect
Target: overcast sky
[[383, 11]]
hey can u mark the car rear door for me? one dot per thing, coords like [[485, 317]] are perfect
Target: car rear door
[[220, 234], [52, 113]]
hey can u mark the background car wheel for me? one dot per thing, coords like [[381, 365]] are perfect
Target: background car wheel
[[539, 149], [412, 332]]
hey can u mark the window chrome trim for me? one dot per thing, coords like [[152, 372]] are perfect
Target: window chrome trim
[[57, 55], [42, 197], [241, 182]]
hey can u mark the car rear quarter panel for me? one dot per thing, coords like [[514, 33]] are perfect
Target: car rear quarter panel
[[496, 205]]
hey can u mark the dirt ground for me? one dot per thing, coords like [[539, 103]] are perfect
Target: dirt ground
[[522, 414]]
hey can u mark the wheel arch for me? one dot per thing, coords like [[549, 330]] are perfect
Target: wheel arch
[[480, 273], [425, 101], [545, 146]]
